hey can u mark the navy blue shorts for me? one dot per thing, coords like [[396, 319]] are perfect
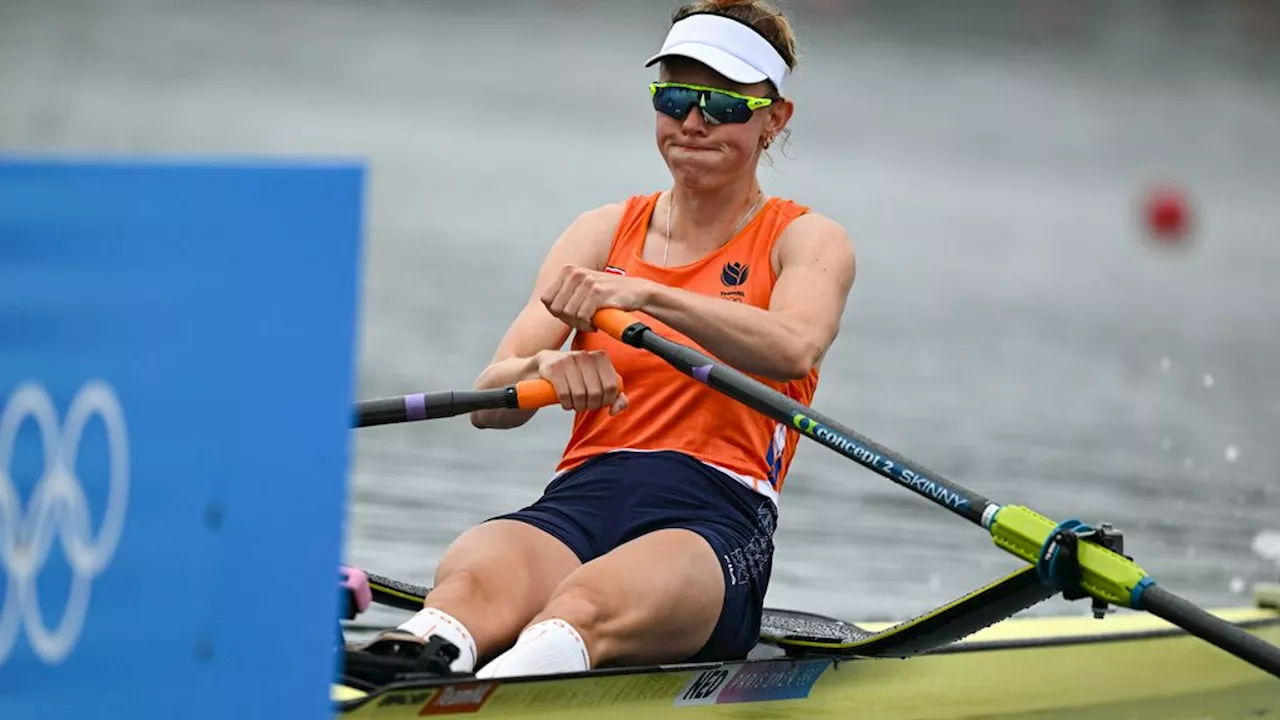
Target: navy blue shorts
[[619, 496]]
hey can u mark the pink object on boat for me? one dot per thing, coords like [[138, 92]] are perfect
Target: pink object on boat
[[356, 581]]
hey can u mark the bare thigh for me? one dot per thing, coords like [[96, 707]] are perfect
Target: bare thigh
[[654, 599], [496, 577]]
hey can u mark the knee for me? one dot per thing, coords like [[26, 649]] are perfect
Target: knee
[[458, 583], [476, 600], [468, 592], [588, 609]]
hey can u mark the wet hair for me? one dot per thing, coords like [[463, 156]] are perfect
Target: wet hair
[[759, 15]]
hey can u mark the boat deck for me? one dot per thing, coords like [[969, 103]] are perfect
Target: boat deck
[[1129, 665]]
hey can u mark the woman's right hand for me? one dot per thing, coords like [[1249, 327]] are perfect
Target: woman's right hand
[[583, 379]]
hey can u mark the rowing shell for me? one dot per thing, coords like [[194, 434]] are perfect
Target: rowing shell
[[967, 661]]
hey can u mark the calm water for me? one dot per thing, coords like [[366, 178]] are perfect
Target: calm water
[[1009, 326]]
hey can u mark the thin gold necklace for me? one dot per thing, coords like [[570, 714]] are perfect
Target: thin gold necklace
[[671, 206]]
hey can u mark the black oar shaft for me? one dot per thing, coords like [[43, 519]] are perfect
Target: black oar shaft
[[764, 399], [526, 394], [953, 496], [426, 406], [1244, 645]]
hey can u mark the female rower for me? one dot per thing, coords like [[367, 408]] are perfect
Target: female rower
[[653, 541]]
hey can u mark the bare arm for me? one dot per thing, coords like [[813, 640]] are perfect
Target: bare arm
[[816, 272], [586, 243]]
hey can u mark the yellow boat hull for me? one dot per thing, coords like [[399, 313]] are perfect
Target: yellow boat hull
[[1130, 665]]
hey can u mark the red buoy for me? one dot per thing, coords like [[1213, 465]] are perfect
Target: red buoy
[[1168, 215]]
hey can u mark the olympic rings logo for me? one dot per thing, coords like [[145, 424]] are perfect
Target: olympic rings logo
[[57, 507]]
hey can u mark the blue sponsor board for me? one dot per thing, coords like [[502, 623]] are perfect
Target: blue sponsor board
[[176, 380]]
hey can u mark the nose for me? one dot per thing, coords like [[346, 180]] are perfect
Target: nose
[[694, 122]]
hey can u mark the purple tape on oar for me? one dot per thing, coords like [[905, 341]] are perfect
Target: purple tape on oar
[[702, 373], [357, 582], [415, 406]]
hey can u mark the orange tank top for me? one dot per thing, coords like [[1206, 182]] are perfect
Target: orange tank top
[[669, 410]]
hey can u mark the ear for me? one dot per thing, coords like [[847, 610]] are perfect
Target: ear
[[779, 115]]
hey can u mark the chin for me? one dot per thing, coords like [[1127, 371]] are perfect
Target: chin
[[697, 174], [698, 166]]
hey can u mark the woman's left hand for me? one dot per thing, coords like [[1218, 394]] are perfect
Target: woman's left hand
[[577, 293]]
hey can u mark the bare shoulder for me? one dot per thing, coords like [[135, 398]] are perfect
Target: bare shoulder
[[816, 228], [589, 237], [814, 238], [609, 214]]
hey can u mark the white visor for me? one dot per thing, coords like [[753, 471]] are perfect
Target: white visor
[[727, 46]]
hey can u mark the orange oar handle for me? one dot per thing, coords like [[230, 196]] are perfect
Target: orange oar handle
[[531, 394], [614, 321], [538, 393]]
